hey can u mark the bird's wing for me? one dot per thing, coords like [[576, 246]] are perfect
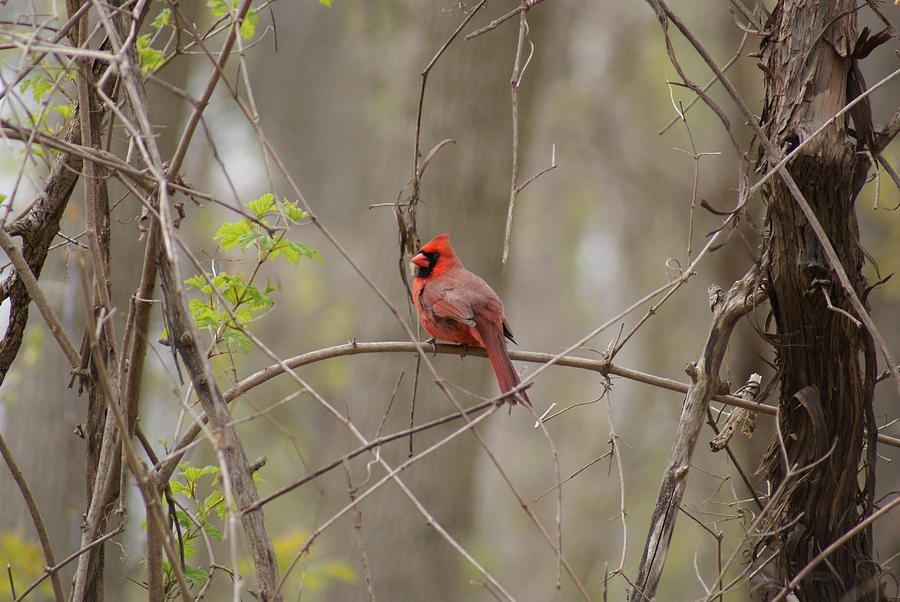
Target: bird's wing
[[447, 302]]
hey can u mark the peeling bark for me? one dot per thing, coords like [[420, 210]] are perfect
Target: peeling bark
[[828, 359]]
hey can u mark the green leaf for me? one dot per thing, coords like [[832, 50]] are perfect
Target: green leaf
[[325, 3], [245, 241], [163, 18], [231, 286], [197, 576], [196, 281], [183, 520], [66, 110], [219, 7], [238, 338], [262, 205], [204, 315], [212, 531], [258, 300], [291, 254], [179, 488], [303, 250], [230, 233], [38, 85], [294, 213], [151, 58], [243, 315], [192, 473], [248, 25], [212, 500]]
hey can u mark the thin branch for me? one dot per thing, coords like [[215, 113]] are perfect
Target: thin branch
[[194, 120], [409, 236], [392, 474], [550, 167], [514, 93], [357, 529], [572, 476], [374, 443], [35, 512], [522, 9], [683, 111], [53, 570]]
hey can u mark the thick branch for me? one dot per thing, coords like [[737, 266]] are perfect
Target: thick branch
[[24, 273], [37, 229], [743, 296], [184, 336]]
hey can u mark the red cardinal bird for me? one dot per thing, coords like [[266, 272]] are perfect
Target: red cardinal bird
[[456, 305]]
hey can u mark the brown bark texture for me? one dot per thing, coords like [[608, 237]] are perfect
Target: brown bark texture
[[827, 463]]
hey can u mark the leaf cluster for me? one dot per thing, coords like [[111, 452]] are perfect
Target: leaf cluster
[[265, 230]]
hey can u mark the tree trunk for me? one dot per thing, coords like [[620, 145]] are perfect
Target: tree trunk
[[826, 418]]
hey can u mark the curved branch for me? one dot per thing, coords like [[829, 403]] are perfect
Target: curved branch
[[168, 465], [570, 361]]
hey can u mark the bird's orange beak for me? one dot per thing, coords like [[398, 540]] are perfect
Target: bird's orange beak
[[420, 260]]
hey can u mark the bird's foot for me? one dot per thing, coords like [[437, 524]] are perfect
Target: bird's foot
[[508, 398], [465, 350]]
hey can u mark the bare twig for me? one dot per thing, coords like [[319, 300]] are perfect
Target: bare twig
[[357, 529], [187, 133], [573, 475], [392, 475], [36, 518], [514, 93], [406, 219], [374, 443], [749, 392], [522, 9], [683, 110], [53, 570]]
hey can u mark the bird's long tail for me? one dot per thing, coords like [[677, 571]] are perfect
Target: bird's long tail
[[506, 374]]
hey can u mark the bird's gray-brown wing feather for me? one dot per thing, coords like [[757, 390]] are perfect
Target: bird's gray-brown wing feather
[[446, 302]]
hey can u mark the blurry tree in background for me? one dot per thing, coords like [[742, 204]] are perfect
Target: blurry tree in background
[[209, 198]]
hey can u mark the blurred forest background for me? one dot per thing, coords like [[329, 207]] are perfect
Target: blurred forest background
[[336, 91]]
